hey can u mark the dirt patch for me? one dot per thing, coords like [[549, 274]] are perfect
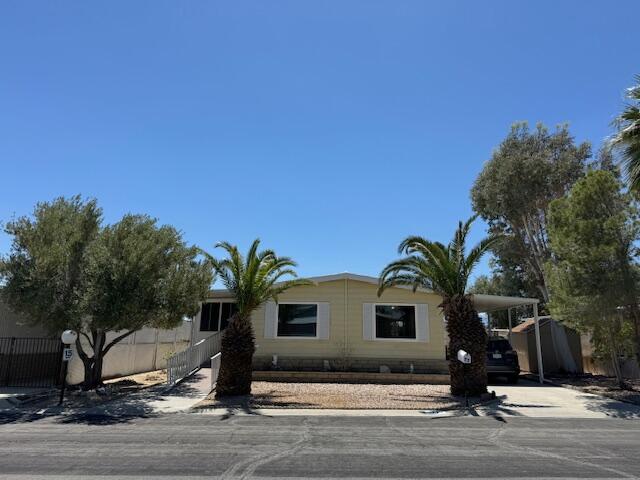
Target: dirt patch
[[601, 385], [341, 396], [146, 379], [113, 389]]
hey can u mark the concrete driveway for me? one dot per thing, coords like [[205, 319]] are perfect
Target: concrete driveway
[[531, 399]]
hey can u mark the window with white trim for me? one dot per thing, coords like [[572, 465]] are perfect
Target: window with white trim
[[215, 316], [395, 321], [297, 320]]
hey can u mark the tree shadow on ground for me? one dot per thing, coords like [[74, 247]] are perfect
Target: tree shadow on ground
[[610, 408], [251, 403], [133, 405], [502, 407]]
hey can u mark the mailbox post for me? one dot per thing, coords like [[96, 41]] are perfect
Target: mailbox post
[[68, 337], [465, 359]]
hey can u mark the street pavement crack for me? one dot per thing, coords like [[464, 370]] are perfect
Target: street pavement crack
[[246, 468]]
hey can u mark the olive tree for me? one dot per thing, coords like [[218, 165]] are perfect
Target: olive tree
[[65, 270]]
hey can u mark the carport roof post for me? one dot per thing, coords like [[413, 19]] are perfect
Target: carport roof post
[[491, 303]]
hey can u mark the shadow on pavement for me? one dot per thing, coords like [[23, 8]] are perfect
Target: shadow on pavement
[[610, 408], [250, 404], [144, 403]]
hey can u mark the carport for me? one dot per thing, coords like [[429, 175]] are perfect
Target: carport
[[493, 303]]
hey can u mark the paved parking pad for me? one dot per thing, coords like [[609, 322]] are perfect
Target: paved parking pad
[[531, 399]]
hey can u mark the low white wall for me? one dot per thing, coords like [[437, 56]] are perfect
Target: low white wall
[[143, 351]]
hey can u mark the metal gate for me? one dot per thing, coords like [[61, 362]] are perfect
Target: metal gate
[[30, 362]]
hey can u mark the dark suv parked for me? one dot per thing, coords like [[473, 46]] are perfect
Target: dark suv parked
[[502, 359]]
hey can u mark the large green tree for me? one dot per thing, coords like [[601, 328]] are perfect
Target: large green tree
[[592, 276], [67, 271], [526, 172], [252, 280], [445, 269], [627, 138], [44, 273]]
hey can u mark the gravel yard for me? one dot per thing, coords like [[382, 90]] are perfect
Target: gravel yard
[[343, 396]]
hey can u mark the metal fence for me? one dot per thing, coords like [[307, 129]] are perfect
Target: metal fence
[[183, 364], [30, 362]]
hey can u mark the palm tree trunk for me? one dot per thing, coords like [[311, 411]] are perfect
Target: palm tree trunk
[[467, 333], [236, 363]]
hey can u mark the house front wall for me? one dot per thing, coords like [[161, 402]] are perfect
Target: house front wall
[[346, 347]]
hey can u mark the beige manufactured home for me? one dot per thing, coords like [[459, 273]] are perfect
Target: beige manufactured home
[[340, 323]]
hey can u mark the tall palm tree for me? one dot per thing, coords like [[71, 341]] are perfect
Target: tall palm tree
[[627, 139], [252, 280], [445, 270]]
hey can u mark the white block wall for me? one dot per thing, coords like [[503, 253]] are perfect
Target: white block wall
[[143, 351]]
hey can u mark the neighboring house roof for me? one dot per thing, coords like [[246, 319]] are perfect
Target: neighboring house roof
[[529, 323]]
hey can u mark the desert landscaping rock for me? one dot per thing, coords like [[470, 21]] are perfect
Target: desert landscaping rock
[[341, 396]]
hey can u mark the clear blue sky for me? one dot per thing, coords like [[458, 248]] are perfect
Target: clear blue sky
[[330, 129]]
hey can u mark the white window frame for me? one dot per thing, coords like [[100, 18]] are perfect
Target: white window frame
[[289, 337], [391, 304]]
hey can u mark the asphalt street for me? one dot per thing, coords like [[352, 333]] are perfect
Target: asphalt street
[[254, 446]]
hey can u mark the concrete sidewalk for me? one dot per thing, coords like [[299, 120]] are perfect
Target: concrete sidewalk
[[156, 400], [527, 399]]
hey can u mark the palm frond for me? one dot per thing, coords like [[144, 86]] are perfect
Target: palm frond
[[255, 278], [443, 268], [627, 138]]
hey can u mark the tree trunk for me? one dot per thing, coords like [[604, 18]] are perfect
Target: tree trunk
[[92, 373], [93, 364], [615, 358], [236, 364], [467, 333], [635, 319]]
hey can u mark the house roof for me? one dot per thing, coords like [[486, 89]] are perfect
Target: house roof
[[482, 303], [356, 278], [333, 278]]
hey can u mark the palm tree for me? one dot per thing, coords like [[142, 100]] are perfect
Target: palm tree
[[627, 139], [253, 280], [445, 270]]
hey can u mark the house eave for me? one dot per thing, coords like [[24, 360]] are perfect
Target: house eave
[[223, 293]]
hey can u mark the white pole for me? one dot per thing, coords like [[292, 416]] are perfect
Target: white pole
[[536, 320], [509, 315]]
